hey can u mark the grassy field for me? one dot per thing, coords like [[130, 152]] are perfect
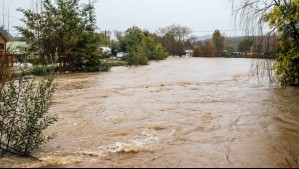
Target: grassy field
[[115, 62]]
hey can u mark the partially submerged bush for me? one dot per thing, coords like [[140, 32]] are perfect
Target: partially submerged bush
[[158, 53], [40, 70], [137, 57], [24, 106]]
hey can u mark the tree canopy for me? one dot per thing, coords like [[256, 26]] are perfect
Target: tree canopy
[[140, 46], [66, 27]]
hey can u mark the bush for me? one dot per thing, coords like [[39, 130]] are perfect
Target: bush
[[137, 57], [93, 64], [42, 70], [24, 105], [159, 53]]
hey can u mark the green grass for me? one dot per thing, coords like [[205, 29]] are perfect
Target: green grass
[[116, 62]]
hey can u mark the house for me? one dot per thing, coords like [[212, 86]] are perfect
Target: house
[[3, 42]]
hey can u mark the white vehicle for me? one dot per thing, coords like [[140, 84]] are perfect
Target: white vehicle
[[106, 50], [120, 55]]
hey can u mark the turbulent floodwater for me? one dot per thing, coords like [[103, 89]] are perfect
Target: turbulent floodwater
[[181, 112]]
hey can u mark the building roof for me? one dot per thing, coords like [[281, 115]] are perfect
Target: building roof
[[6, 34], [3, 37]]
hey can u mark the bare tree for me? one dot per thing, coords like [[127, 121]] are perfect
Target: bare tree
[[174, 38]]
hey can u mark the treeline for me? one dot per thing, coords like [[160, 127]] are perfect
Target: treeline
[[68, 30], [172, 40], [244, 46]]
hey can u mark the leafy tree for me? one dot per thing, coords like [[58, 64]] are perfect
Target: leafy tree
[[140, 47], [132, 44], [105, 39], [159, 53], [137, 56], [218, 41], [66, 27], [153, 50]]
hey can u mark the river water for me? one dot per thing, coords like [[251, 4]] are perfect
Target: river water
[[180, 112]]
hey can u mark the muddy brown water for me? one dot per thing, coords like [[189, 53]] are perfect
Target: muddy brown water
[[181, 112]]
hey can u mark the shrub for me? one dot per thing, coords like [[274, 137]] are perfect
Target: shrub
[[96, 66], [42, 70], [24, 105], [137, 57], [158, 53]]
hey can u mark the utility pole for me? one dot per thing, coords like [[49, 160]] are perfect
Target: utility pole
[[8, 18], [3, 16]]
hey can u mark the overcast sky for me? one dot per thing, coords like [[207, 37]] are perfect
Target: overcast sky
[[202, 16]]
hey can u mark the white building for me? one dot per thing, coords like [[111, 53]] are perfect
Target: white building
[[189, 52]]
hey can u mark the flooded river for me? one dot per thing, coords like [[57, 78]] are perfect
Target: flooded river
[[181, 112]]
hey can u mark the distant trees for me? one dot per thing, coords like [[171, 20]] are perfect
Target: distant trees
[[245, 45], [175, 39], [205, 49], [218, 41], [212, 47], [67, 28]]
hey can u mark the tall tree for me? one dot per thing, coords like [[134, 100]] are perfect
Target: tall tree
[[66, 27], [218, 41]]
